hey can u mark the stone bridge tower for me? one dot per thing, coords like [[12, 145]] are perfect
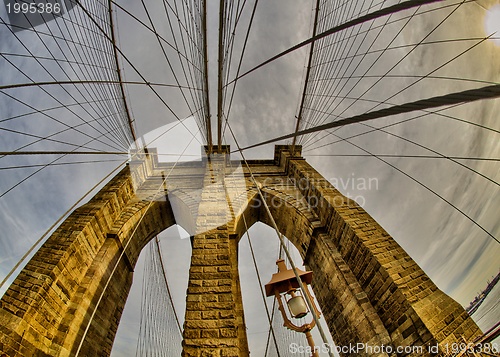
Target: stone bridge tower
[[76, 285]]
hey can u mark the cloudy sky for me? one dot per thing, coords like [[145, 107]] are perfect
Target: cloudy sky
[[410, 197]]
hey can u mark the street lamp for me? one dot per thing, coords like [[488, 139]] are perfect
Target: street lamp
[[284, 286]]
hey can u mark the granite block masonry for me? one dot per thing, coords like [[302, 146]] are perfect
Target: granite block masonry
[[71, 294]]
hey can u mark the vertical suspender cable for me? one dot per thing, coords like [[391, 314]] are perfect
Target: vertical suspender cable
[[269, 318], [282, 242], [164, 274], [205, 77], [122, 89], [306, 81], [357, 21], [220, 73], [125, 246]]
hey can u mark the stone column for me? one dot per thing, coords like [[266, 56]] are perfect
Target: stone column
[[214, 323]]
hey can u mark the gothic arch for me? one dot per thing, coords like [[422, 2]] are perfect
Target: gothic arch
[[347, 311]]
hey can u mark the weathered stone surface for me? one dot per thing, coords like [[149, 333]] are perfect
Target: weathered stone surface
[[369, 289]]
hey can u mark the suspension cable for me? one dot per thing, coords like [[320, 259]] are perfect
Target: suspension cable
[[122, 253], [30, 250], [169, 293], [254, 260], [374, 15], [466, 96], [282, 242], [424, 186], [306, 81]]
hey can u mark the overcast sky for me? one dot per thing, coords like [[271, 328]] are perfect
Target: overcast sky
[[457, 254]]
